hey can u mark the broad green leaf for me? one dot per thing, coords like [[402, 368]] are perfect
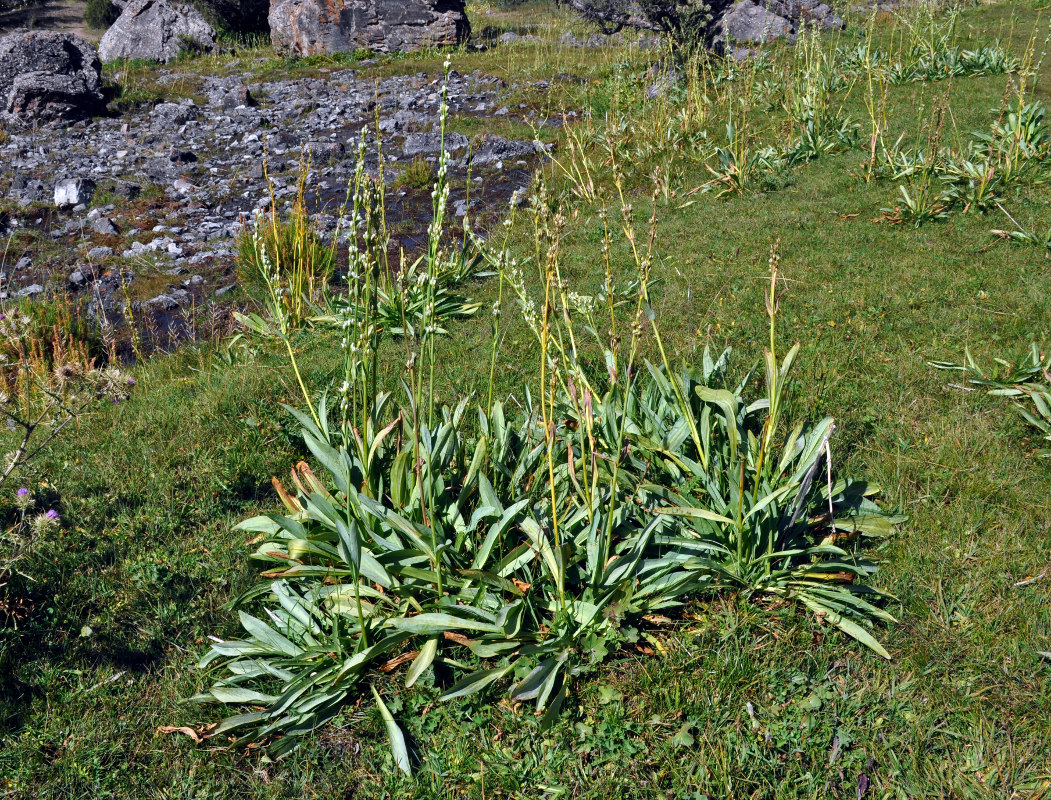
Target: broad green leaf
[[476, 682], [848, 626], [267, 635], [433, 623], [397, 738], [696, 513], [233, 694], [422, 661]]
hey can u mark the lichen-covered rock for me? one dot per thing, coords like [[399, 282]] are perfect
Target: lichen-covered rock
[[751, 22], [319, 27], [490, 149], [417, 144], [156, 30], [806, 12], [766, 20], [170, 116], [48, 77]]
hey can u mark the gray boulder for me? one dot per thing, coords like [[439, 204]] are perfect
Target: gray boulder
[[73, 192], [26, 190], [806, 12], [156, 30], [750, 22], [490, 149], [48, 77], [320, 27], [418, 144], [170, 116], [104, 226], [324, 152], [766, 20]]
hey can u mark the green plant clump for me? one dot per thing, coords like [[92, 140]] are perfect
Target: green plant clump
[[1028, 378], [530, 551], [288, 254], [418, 176]]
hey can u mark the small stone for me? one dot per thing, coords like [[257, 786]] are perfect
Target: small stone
[[165, 302], [73, 192], [103, 226]]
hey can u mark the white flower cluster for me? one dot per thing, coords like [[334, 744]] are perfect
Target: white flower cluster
[[583, 303], [267, 269]]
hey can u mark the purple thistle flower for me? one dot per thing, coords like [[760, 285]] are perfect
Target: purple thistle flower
[[23, 492], [52, 514]]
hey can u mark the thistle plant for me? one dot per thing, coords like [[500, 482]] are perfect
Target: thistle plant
[[47, 381], [32, 524]]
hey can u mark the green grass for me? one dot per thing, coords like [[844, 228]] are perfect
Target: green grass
[[737, 701], [418, 176]]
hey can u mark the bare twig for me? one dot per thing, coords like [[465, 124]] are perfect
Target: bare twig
[[1031, 581]]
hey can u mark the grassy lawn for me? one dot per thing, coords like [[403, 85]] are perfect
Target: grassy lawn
[[731, 699]]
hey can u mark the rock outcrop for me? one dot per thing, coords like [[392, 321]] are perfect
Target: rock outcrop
[[765, 20], [318, 27], [156, 30], [48, 77], [741, 21], [751, 22], [490, 149]]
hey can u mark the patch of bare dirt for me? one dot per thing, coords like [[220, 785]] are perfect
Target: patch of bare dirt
[[65, 16]]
